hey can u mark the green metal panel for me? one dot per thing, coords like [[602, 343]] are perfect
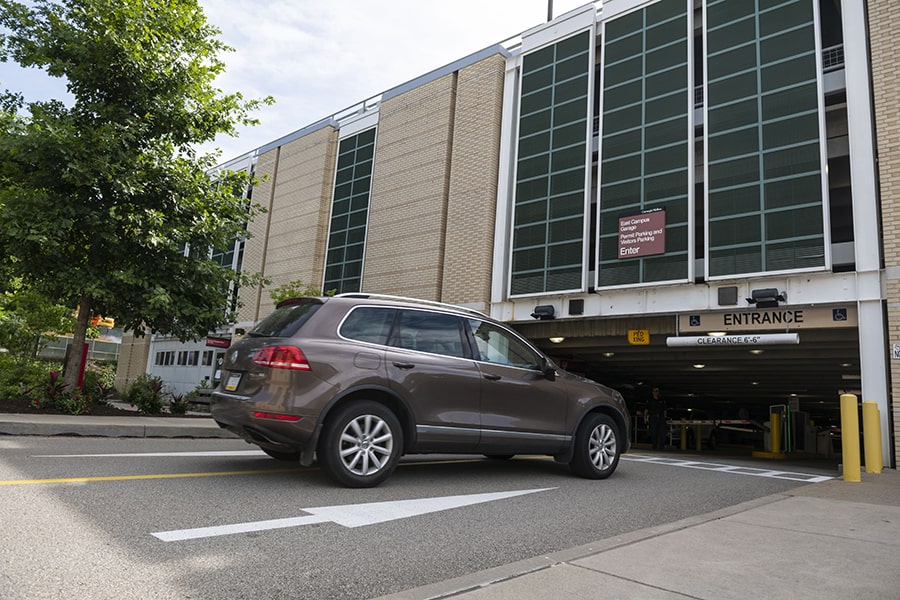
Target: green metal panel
[[349, 213], [645, 143], [551, 168]]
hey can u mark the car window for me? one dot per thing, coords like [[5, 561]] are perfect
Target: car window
[[496, 345], [287, 319], [368, 324], [436, 333]]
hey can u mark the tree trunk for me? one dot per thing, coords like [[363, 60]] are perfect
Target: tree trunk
[[73, 362]]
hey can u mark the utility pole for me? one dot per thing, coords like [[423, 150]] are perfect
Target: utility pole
[[549, 10]]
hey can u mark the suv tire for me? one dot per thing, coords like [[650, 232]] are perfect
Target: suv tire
[[361, 444], [597, 447]]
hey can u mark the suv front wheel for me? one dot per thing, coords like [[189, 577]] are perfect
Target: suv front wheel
[[597, 447], [361, 444]]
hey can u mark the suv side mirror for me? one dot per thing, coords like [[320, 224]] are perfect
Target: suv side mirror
[[549, 371]]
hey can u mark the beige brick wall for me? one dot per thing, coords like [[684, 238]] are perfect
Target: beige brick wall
[[471, 208], [884, 23], [289, 241], [431, 217], [133, 354], [407, 211]]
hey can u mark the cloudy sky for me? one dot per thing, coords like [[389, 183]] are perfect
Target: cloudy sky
[[317, 57]]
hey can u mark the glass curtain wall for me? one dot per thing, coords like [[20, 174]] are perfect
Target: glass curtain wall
[[548, 246], [765, 166], [646, 146], [349, 213]]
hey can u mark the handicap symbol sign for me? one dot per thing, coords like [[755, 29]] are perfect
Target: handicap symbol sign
[[839, 314], [694, 320]]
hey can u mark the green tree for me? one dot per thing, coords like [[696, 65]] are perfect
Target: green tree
[[28, 320], [296, 289], [100, 199]]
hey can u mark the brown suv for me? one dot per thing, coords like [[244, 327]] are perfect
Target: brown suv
[[357, 380]]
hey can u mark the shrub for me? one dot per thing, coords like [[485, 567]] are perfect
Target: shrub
[[180, 404], [146, 394], [72, 402], [23, 379], [99, 381]]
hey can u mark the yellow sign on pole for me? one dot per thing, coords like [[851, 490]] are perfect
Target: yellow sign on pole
[[639, 337]]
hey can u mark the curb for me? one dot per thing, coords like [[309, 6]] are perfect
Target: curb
[[136, 427]]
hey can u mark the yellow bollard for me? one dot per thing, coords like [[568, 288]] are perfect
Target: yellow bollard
[[683, 436], [850, 437], [775, 432], [872, 437]]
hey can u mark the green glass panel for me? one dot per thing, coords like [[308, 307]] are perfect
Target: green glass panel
[[666, 159], [566, 206], [786, 132], [620, 194], [665, 58], [734, 143], [553, 130], [788, 73], [794, 223], [571, 90], [537, 101], [791, 192], [734, 60], [787, 45], [620, 120], [666, 33], [349, 212], [623, 95], [665, 10], [622, 143], [733, 172], [734, 201], [789, 101], [667, 107], [531, 212], [624, 26], [625, 47], [733, 34], [666, 132], [801, 160], [623, 71], [668, 185], [786, 16], [534, 81], [734, 115], [737, 230], [728, 11], [535, 144], [731, 88], [667, 82]]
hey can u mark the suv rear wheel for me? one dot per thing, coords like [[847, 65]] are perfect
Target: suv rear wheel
[[361, 444], [596, 447]]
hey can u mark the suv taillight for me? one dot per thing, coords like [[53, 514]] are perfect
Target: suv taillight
[[281, 357]]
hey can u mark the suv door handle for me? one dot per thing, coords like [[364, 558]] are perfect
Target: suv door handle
[[491, 377], [404, 365]]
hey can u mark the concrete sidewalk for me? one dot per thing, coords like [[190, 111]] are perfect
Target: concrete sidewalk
[[118, 426], [834, 540]]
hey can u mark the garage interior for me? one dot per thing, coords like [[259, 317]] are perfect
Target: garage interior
[[713, 382]]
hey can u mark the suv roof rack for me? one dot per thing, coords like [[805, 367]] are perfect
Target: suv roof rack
[[410, 300]]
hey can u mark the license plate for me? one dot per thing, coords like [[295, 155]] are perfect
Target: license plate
[[233, 381]]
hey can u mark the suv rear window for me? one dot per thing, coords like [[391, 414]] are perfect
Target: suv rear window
[[287, 318], [368, 324]]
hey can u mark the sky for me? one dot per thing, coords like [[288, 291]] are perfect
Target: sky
[[318, 57]]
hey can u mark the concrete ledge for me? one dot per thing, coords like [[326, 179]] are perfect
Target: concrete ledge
[[165, 427]]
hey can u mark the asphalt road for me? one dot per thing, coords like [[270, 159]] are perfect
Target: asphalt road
[[114, 518]]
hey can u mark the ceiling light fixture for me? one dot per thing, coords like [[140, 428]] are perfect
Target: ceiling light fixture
[[757, 351], [609, 355], [557, 339], [715, 333], [699, 365]]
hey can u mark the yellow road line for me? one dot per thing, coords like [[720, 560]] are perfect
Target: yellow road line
[[138, 477]]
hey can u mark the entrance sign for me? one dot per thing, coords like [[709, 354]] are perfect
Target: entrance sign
[[772, 319], [643, 234], [761, 339]]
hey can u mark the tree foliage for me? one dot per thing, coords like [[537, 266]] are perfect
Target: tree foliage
[[101, 198], [28, 321], [296, 289]]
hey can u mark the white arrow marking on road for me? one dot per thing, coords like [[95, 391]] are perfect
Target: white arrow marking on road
[[349, 515]]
